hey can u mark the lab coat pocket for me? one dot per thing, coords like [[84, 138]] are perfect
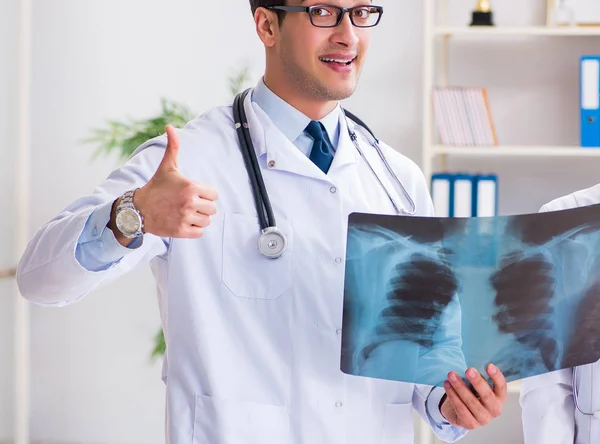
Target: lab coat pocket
[[219, 421], [246, 272], [397, 424]]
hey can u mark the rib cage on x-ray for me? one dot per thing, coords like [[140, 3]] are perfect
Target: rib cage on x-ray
[[410, 303], [416, 301], [413, 302], [533, 287], [425, 296]]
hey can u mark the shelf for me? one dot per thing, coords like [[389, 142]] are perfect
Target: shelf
[[514, 387], [515, 151], [517, 31]]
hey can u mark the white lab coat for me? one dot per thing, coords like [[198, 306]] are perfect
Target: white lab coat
[[548, 409], [253, 351]]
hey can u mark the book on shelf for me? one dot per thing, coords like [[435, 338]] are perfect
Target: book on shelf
[[462, 116]]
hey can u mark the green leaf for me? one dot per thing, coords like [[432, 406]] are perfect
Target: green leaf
[[126, 136], [160, 345]]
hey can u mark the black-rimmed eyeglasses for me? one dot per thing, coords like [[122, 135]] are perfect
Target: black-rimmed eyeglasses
[[329, 16]]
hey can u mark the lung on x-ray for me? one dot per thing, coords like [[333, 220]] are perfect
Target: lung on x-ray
[[426, 296]]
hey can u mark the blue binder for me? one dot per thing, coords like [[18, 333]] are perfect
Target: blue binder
[[485, 195], [463, 204], [442, 194], [590, 101]]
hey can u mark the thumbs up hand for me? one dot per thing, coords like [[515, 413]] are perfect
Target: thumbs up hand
[[171, 204], [170, 161]]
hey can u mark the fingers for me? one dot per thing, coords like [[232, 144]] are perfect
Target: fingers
[[500, 387], [464, 416], [491, 402], [206, 207], [198, 220], [191, 232], [206, 192], [198, 213], [474, 411], [171, 157]]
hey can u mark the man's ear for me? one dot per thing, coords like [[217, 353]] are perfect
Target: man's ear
[[267, 26]]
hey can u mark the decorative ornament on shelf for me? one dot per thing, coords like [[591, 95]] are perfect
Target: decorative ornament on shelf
[[482, 15]]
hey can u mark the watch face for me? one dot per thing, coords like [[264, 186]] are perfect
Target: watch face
[[128, 221]]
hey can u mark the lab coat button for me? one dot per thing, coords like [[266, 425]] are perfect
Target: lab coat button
[[271, 164], [333, 190], [339, 331], [338, 260], [338, 404]]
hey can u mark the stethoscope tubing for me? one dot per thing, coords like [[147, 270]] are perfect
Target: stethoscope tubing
[[270, 233]]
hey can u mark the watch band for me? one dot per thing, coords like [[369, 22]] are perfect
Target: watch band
[[128, 197]]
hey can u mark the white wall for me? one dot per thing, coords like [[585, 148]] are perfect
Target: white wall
[[92, 379], [8, 15]]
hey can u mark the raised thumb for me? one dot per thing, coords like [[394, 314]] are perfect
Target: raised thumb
[[171, 157]]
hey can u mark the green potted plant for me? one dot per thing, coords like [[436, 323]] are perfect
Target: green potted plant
[[124, 137]]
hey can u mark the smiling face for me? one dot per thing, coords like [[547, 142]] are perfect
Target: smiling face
[[312, 67]]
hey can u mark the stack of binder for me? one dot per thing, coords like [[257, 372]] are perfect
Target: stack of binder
[[462, 117], [464, 195], [590, 101]]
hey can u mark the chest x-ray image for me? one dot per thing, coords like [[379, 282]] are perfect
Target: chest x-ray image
[[426, 296]]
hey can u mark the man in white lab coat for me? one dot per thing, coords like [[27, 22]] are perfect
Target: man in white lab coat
[[253, 351], [551, 413]]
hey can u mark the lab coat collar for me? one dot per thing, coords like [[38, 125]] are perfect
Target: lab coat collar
[[281, 154], [346, 151]]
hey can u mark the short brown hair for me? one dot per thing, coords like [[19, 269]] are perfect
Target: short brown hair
[[255, 4]]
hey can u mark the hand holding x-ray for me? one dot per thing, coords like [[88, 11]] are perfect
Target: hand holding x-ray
[[474, 406]]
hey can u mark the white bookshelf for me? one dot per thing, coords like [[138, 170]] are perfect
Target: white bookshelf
[[524, 31], [513, 151], [435, 73]]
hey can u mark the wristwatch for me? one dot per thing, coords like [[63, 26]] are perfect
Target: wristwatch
[[129, 220]]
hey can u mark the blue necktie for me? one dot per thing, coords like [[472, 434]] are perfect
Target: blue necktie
[[322, 150]]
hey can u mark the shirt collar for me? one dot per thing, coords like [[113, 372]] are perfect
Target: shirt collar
[[288, 119]]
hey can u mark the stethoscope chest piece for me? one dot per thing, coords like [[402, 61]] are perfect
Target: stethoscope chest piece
[[272, 243]]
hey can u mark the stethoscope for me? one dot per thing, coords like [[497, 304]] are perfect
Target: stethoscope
[[595, 414], [272, 242]]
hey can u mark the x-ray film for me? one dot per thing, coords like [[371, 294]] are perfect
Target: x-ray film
[[426, 296]]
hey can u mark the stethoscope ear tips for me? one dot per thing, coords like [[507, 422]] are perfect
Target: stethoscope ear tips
[[272, 243], [597, 415]]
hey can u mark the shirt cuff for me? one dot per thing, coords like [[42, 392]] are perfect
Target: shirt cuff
[[433, 407], [97, 247]]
